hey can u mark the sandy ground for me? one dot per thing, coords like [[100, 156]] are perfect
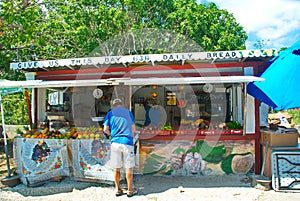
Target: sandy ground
[[150, 188], [162, 188]]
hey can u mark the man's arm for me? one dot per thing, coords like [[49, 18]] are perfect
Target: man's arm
[[133, 128], [106, 131]]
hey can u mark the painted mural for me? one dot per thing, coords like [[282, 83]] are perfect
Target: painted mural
[[90, 159], [40, 159], [196, 158]]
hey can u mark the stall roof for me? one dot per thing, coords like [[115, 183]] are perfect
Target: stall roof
[[54, 84], [129, 81], [98, 62], [191, 80]]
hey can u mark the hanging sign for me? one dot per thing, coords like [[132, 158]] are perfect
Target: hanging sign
[[125, 59]]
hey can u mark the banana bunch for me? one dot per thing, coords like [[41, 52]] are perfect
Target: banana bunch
[[198, 121], [46, 131]]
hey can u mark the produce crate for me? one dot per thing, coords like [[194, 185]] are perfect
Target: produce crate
[[163, 132], [280, 139], [226, 132]]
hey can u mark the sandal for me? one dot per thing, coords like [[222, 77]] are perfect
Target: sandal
[[119, 192], [131, 193]]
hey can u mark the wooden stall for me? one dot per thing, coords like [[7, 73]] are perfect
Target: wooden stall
[[203, 121]]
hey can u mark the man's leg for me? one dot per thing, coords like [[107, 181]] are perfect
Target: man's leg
[[129, 178], [117, 177], [129, 165]]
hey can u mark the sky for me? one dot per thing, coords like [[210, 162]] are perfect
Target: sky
[[276, 22]]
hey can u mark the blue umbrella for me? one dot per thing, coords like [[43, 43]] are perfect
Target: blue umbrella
[[280, 89]]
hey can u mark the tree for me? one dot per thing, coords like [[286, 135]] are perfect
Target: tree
[[15, 109], [212, 28], [52, 29], [56, 29], [19, 30], [260, 44]]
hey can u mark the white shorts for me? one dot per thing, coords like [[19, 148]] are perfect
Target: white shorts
[[122, 154]]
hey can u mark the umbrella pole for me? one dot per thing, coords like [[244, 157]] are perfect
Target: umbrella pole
[[5, 140], [245, 109]]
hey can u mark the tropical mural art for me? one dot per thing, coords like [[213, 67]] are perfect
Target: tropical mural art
[[196, 158], [40, 159]]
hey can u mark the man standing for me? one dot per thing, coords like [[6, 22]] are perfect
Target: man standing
[[119, 124]]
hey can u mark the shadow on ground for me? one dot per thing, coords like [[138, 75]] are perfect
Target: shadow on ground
[[50, 188], [146, 184], [155, 184]]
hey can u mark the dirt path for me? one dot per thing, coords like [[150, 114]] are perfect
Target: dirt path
[[151, 188]]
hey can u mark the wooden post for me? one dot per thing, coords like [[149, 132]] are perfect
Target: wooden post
[[28, 107]]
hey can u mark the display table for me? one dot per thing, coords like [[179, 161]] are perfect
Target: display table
[[286, 168], [40, 160]]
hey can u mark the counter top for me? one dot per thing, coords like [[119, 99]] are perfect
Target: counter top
[[196, 137]]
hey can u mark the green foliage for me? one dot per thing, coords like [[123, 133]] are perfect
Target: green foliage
[[57, 29], [212, 28], [19, 131], [260, 44], [15, 109], [20, 23], [54, 29], [295, 116]]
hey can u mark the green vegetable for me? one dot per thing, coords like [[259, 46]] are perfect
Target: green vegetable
[[167, 127], [234, 125]]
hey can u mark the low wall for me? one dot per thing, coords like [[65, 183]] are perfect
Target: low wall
[[11, 130], [200, 157]]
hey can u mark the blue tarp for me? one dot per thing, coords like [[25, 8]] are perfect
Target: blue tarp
[[280, 89]]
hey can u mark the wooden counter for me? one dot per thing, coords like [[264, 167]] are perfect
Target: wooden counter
[[196, 137]]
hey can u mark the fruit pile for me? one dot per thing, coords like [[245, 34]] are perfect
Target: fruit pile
[[191, 127], [46, 133], [92, 132]]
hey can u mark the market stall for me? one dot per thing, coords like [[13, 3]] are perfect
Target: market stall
[[202, 121]]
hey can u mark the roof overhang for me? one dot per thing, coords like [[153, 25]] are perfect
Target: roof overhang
[[54, 84], [192, 80], [129, 81]]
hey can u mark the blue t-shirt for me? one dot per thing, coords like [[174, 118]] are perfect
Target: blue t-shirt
[[120, 121]]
